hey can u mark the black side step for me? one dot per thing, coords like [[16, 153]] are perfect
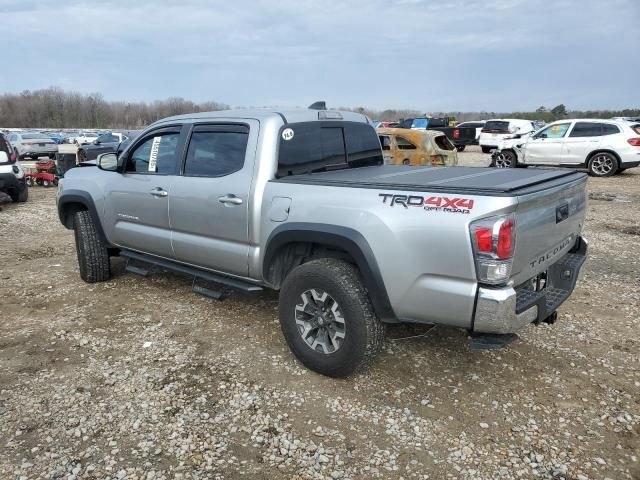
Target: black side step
[[490, 341], [138, 268], [207, 290], [155, 264]]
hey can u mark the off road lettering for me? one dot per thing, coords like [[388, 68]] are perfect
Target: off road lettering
[[430, 204]]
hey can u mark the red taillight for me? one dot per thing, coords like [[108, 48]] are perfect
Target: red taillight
[[634, 141], [456, 133], [484, 240], [504, 249]]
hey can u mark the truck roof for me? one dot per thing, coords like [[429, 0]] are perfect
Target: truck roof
[[287, 115]]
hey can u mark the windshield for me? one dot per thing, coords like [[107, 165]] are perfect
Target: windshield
[[420, 123]]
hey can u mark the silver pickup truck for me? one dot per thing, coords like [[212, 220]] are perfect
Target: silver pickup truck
[[300, 201]]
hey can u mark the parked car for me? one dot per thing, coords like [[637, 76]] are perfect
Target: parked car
[[12, 178], [477, 124], [107, 142], [32, 145], [496, 130], [459, 136], [416, 147], [299, 201], [57, 137], [85, 136], [604, 147]]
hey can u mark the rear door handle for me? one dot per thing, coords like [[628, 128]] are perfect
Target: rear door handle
[[159, 192], [230, 199]]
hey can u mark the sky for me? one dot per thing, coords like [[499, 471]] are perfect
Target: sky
[[429, 55]]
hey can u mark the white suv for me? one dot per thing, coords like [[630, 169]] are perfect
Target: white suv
[[497, 129], [604, 147]]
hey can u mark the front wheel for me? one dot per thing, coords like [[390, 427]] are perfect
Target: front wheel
[[93, 256], [602, 165], [327, 318], [504, 159], [21, 196]]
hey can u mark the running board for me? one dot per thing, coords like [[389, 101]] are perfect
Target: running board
[[145, 265], [490, 341]]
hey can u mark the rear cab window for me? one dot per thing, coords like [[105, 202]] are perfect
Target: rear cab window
[[308, 147]]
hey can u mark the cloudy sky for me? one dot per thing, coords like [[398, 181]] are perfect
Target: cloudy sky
[[432, 55]]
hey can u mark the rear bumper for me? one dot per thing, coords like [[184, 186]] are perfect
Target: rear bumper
[[507, 310]]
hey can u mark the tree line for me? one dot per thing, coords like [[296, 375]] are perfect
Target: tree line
[[56, 108], [542, 113]]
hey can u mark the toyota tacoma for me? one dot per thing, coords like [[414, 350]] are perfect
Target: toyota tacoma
[[300, 202]]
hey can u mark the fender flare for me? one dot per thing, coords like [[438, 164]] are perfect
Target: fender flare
[[83, 198], [344, 238]]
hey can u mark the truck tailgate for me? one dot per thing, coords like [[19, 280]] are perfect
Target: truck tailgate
[[547, 225]]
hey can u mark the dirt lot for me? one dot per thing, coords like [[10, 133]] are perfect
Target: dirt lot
[[140, 378]]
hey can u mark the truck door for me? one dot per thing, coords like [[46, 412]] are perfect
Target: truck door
[[136, 202], [545, 147], [209, 203]]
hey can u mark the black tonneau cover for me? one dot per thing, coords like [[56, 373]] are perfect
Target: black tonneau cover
[[467, 180]]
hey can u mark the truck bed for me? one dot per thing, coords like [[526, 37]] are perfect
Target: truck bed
[[502, 182]]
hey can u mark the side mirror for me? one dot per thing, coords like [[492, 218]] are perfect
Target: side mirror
[[541, 135], [108, 162], [96, 142], [4, 158]]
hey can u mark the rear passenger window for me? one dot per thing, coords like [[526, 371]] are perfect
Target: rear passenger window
[[608, 129], [156, 155], [404, 144], [586, 129], [216, 153]]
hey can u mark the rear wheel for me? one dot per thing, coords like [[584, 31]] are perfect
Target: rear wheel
[[82, 156], [406, 162], [93, 256], [504, 159], [486, 149], [460, 148], [602, 164], [327, 318], [21, 197]]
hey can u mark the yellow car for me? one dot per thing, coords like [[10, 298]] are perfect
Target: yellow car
[[403, 146]]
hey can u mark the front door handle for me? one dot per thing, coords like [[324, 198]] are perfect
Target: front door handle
[[159, 192], [230, 199]]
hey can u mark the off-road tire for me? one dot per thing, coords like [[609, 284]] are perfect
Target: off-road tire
[[600, 171], [460, 148], [486, 149], [364, 333], [93, 256]]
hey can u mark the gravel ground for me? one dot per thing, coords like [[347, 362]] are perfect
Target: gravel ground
[[140, 378]]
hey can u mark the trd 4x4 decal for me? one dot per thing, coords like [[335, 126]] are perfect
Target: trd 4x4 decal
[[430, 204]]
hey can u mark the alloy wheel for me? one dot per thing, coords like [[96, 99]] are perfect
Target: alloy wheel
[[601, 164], [320, 321]]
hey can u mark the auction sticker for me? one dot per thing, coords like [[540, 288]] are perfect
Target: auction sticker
[[153, 156], [287, 134]]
